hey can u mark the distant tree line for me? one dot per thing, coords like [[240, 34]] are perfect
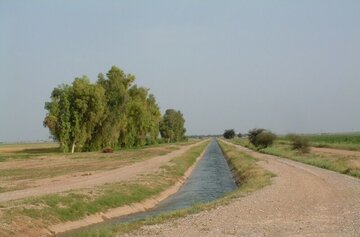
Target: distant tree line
[[258, 137], [113, 112]]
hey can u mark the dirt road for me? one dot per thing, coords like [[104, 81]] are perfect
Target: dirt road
[[302, 201], [91, 180]]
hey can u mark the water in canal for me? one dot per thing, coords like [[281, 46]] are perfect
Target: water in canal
[[210, 180]]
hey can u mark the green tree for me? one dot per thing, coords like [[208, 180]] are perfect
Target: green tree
[[261, 138], [58, 116], [112, 113], [172, 126], [74, 112], [229, 133], [116, 85], [155, 118]]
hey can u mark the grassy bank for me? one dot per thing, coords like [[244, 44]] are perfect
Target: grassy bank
[[248, 175], [56, 208], [344, 164]]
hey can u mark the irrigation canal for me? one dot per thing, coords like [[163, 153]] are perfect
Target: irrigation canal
[[211, 179]]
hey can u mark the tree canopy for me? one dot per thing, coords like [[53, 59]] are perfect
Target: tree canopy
[[172, 126], [113, 112], [229, 133], [261, 138]]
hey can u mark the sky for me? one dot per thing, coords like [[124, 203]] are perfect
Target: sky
[[288, 66]]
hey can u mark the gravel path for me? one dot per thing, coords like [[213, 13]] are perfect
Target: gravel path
[[302, 201], [112, 176]]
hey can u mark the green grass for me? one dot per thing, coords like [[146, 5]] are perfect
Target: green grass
[[346, 141], [75, 205], [249, 176], [282, 148]]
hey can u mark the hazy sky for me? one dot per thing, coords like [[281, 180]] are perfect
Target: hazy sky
[[290, 66]]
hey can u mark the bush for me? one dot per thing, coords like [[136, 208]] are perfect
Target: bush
[[239, 135], [229, 133], [261, 138], [252, 134], [299, 143], [107, 150]]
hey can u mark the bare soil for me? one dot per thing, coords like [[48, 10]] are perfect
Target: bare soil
[[302, 201], [334, 151], [89, 179], [35, 171]]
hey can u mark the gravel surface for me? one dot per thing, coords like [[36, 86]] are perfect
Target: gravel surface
[[302, 201]]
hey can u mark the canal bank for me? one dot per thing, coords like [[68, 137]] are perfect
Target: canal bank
[[209, 180]]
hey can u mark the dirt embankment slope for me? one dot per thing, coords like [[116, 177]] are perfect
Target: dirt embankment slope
[[111, 176], [128, 209], [302, 201]]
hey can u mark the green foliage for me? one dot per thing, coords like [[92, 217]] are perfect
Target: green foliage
[[111, 113], [350, 138], [261, 138], [74, 112], [299, 143], [229, 134], [172, 126], [239, 135]]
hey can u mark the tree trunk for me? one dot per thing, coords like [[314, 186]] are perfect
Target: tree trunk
[[73, 147]]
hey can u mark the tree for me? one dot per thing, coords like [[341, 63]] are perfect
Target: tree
[[74, 112], [112, 113], [143, 118], [116, 85], [229, 134], [261, 138], [252, 134], [172, 126], [239, 135], [58, 116]]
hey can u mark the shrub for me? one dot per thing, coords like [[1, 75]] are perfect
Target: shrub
[[252, 134], [261, 138], [107, 150], [299, 143], [229, 133], [239, 135]]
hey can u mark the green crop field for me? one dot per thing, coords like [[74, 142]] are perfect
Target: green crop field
[[347, 141]]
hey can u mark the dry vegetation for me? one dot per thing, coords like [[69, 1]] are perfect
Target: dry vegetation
[[29, 166], [32, 215], [339, 160]]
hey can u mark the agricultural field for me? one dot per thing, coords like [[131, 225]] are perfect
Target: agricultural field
[[337, 152], [345, 141]]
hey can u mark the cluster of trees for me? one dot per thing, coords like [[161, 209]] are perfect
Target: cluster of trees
[[230, 134], [113, 112], [259, 137]]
